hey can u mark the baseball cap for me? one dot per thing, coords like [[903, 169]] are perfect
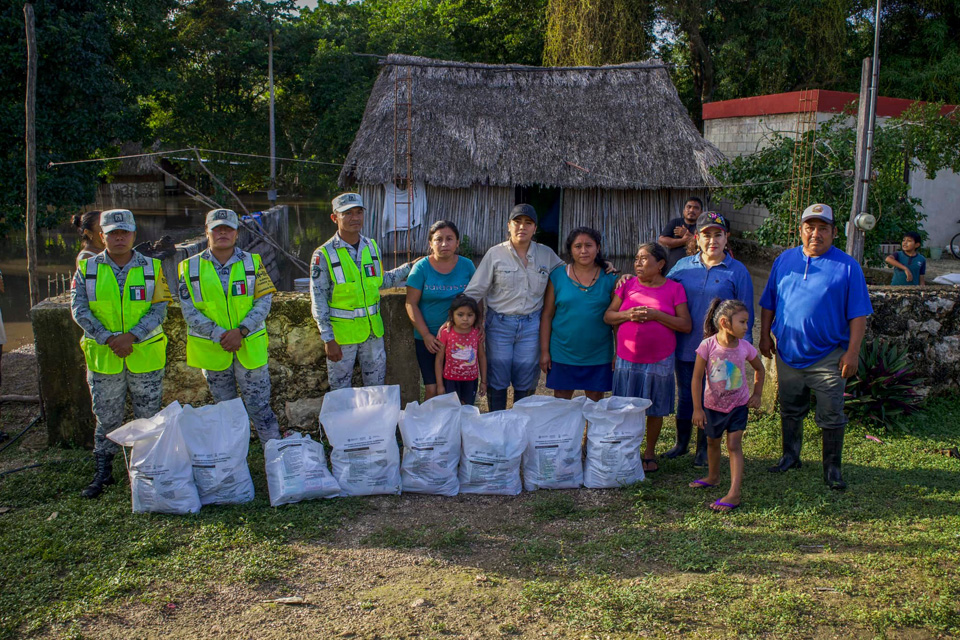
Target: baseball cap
[[819, 212], [712, 219], [117, 220], [346, 201], [524, 210], [218, 217]]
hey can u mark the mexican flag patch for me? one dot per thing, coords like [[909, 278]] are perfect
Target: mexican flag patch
[[240, 288], [370, 270], [138, 294]]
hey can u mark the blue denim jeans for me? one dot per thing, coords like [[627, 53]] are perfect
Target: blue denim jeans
[[513, 351]]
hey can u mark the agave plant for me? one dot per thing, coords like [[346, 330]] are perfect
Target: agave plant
[[885, 387]]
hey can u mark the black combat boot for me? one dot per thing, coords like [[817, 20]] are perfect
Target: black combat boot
[[103, 477], [684, 431], [792, 430], [497, 399], [832, 454], [700, 458], [520, 395]]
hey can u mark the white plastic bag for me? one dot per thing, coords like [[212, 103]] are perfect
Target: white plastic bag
[[493, 444], [361, 425], [161, 479], [297, 470], [615, 428], [431, 446], [218, 438], [553, 458]]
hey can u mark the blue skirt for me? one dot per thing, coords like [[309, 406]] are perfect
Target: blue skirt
[[572, 377], [653, 381]]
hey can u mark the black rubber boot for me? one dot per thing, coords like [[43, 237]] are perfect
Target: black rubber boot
[[700, 458], [103, 477], [684, 431], [497, 399], [792, 430], [832, 454]]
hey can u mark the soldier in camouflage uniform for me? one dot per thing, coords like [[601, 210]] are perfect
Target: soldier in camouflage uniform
[[345, 281], [119, 298], [225, 294]]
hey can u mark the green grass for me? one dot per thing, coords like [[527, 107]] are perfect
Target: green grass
[[797, 560], [93, 553]]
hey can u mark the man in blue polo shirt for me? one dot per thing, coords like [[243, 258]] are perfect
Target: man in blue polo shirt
[[817, 304]]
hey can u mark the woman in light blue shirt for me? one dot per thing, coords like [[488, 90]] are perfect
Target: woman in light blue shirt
[[431, 287], [576, 345], [710, 273]]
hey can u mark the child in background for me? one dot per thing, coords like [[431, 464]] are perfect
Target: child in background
[[463, 360], [722, 356], [909, 266]]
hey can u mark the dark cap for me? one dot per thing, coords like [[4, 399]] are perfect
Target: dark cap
[[712, 219], [524, 210]]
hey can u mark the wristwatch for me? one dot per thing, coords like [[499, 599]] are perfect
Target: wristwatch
[[244, 331]]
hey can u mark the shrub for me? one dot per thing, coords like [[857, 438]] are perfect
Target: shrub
[[885, 386]]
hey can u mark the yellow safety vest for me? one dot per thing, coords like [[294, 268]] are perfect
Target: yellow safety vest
[[227, 310], [119, 312], [355, 299]]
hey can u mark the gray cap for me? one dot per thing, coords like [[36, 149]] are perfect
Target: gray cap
[[818, 212], [346, 201], [217, 217], [524, 210], [117, 219]]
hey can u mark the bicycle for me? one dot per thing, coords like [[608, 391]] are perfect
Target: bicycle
[[955, 245]]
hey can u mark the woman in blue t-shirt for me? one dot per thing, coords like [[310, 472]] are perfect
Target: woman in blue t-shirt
[[431, 286], [576, 345]]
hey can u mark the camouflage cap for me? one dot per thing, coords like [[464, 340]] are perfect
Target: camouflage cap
[[117, 220], [346, 201], [218, 217]]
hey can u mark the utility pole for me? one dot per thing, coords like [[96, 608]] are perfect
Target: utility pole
[[860, 218], [854, 235], [272, 192], [31, 145]]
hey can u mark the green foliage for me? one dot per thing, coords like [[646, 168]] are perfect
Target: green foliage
[[920, 140], [597, 32], [885, 387]]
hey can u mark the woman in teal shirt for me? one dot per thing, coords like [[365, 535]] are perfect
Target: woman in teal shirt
[[431, 287], [576, 346]]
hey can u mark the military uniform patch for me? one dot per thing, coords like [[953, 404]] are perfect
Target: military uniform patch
[[184, 292], [315, 271]]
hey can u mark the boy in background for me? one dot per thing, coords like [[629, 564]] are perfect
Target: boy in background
[[909, 266]]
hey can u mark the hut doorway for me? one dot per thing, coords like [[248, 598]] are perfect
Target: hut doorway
[[548, 202]]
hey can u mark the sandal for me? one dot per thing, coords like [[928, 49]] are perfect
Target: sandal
[[646, 461], [730, 507], [700, 484]]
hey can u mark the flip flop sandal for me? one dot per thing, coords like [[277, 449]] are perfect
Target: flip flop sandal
[[650, 461], [718, 503], [701, 484]]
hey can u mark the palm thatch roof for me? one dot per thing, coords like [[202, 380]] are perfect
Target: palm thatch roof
[[505, 125]]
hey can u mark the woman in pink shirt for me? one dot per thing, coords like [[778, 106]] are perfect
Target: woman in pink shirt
[[648, 311]]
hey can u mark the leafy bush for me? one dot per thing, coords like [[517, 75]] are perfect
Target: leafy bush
[[885, 387]]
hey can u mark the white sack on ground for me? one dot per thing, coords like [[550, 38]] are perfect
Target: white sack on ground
[[361, 425], [553, 457], [218, 438], [492, 445], [161, 480], [615, 428], [431, 446], [297, 470]]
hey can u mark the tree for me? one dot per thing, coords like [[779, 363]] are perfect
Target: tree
[[921, 139], [597, 32]]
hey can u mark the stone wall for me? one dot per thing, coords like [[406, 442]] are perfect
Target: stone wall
[[926, 320], [297, 364]]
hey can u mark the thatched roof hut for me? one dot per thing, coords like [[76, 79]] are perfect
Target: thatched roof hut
[[612, 147]]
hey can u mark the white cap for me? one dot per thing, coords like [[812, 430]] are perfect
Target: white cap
[[818, 212]]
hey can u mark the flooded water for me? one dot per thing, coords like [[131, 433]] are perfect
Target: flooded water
[[180, 217]]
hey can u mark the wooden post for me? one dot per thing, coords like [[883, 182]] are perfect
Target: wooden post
[[31, 144], [855, 236]]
